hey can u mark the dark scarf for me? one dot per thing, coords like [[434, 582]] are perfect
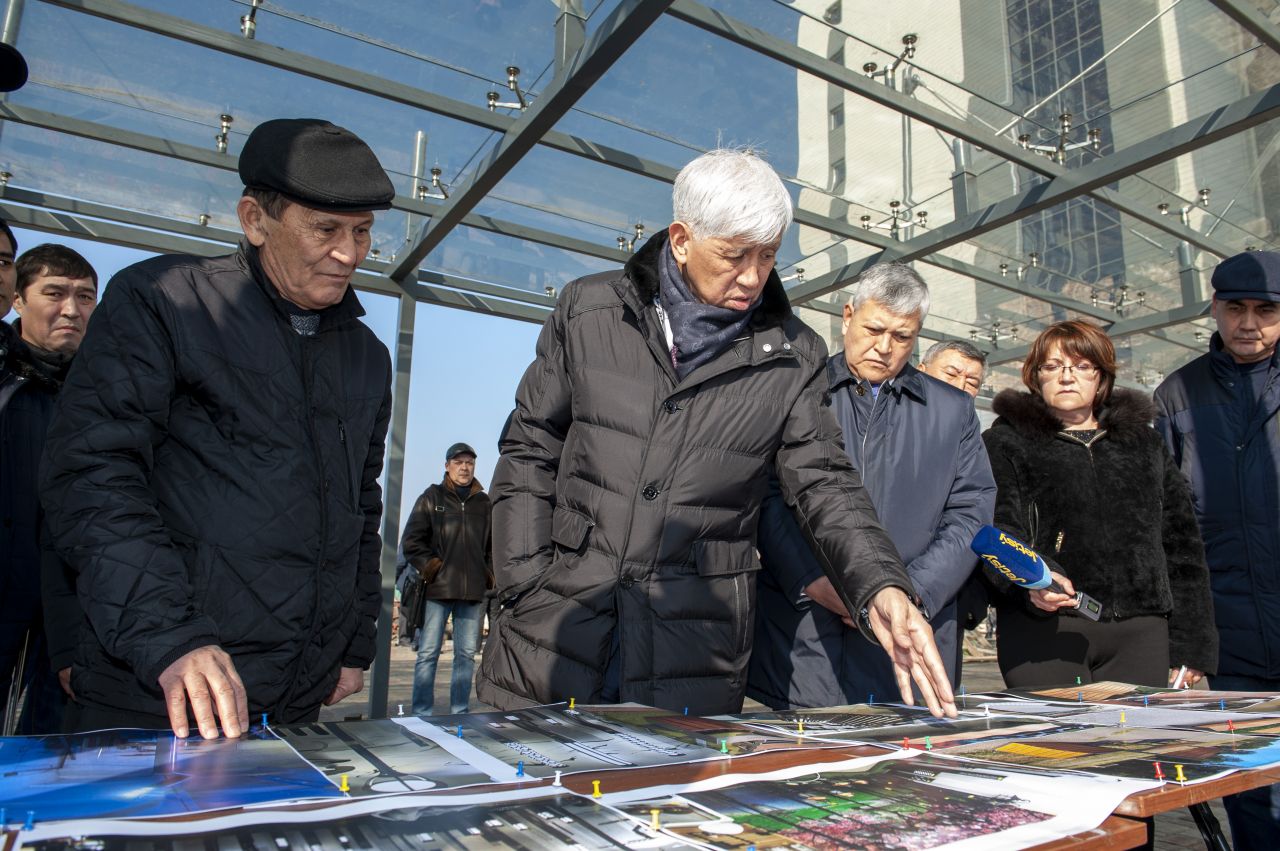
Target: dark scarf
[[700, 332], [35, 362]]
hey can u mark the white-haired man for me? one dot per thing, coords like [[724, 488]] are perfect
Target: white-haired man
[[625, 501], [918, 445]]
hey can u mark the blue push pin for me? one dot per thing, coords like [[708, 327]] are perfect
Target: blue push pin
[[1080, 697], [30, 823], [686, 710], [871, 698], [1145, 699], [1222, 704], [264, 719], [520, 768], [459, 731]]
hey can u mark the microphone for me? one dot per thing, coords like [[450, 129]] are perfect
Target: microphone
[[1023, 566]]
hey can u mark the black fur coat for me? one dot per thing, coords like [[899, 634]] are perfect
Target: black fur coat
[[1114, 516]]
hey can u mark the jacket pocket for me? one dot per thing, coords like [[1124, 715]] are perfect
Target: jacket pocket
[[353, 487], [569, 530], [735, 564]]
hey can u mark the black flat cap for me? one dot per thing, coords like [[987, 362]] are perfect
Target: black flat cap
[[1253, 274], [13, 68], [317, 164], [458, 449]]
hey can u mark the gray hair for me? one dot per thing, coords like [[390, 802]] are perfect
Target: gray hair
[[966, 350], [896, 286], [732, 193]]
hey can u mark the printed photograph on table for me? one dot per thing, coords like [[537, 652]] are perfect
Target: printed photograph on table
[[1131, 695], [538, 742], [1133, 752], [379, 757], [724, 734], [120, 773], [906, 802], [551, 823]]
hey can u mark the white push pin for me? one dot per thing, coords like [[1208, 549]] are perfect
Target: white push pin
[[400, 708], [556, 782]]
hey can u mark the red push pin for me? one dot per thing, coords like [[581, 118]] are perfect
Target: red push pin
[[906, 743], [1159, 772]]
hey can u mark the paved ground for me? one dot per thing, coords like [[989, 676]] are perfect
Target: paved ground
[[1173, 830]]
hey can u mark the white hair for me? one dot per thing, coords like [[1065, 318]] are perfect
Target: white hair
[[732, 193], [895, 286]]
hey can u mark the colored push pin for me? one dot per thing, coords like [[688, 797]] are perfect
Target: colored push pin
[[399, 708], [724, 746], [459, 731], [264, 719], [1121, 716], [1222, 704], [30, 823], [1178, 775], [344, 786], [595, 788], [556, 782], [686, 710], [906, 743], [1077, 681], [1159, 772], [520, 768], [988, 708], [928, 743], [655, 819], [1145, 699], [572, 702], [871, 698], [800, 726], [1080, 697], [1231, 726]]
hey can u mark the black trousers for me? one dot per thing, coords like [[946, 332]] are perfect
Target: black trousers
[[1054, 650]]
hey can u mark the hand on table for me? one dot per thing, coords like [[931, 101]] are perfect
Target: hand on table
[[908, 639], [207, 677], [1189, 679]]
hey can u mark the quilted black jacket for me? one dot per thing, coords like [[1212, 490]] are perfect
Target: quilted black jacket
[[453, 529], [212, 477], [626, 501]]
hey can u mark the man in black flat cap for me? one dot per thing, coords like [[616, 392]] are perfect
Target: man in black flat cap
[[211, 474], [1220, 415]]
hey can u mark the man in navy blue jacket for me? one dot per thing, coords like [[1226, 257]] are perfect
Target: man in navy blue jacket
[[917, 443], [1218, 414]]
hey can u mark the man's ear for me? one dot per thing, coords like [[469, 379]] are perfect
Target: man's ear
[[679, 236], [251, 215]]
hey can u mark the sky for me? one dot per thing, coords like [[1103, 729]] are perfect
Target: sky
[[462, 387]]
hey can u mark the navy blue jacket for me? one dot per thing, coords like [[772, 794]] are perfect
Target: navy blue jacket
[[1233, 463], [920, 451]]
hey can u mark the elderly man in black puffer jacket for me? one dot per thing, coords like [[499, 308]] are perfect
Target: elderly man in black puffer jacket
[[211, 474], [626, 499]]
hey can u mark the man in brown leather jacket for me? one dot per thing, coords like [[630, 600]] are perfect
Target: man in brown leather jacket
[[447, 542]]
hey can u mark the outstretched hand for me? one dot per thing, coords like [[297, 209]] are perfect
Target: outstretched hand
[[350, 681], [908, 639], [207, 677]]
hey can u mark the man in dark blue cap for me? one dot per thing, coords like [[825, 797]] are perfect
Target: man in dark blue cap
[[446, 541], [211, 474], [1219, 416]]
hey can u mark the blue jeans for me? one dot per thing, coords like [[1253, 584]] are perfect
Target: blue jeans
[[1254, 815], [466, 638]]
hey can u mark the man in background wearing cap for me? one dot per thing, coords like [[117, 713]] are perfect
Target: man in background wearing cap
[[211, 474], [447, 542], [1219, 416]]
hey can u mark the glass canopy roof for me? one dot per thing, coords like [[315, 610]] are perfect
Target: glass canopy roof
[[1036, 159]]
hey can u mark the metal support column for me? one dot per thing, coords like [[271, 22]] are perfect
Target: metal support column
[[381, 672], [1188, 276], [571, 33], [964, 183], [12, 19], [415, 191]]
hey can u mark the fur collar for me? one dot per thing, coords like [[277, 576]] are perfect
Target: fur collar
[[1127, 416], [471, 490], [642, 270]]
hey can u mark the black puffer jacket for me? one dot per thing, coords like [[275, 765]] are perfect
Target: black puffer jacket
[[1114, 516], [626, 501], [447, 541], [212, 477]]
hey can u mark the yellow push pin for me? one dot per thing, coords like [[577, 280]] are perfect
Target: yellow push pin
[[1121, 716], [572, 701], [595, 788], [1178, 775], [655, 819], [344, 786], [800, 726]]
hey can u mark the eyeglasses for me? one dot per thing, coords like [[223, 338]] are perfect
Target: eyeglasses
[[1083, 370]]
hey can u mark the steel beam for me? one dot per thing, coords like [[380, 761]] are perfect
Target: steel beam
[[624, 26], [228, 162], [1174, 142], [1247, 14], [391, 502], [836, 74], [1126, 328]]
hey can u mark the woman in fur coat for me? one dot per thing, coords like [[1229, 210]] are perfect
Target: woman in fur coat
[[1085, 480]]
